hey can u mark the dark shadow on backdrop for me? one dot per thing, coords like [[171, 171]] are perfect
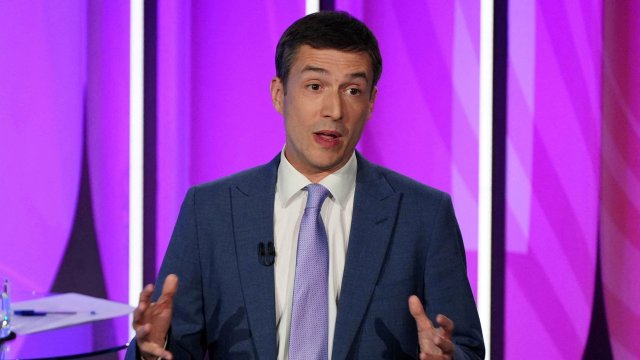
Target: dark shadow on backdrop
[[81, 268], [499, 171], [149, 263], [598, 343]]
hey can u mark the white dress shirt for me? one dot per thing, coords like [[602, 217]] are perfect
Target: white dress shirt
[[336, 213]]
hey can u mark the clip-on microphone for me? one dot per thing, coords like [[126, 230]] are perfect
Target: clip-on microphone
[[266, 254]]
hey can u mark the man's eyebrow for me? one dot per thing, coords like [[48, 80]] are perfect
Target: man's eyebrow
[[359, 75], [314, 69], [352, 76]]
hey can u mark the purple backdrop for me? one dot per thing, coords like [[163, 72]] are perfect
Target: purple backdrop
[[553, 146], [107, 114], [64, 86], [41, 120], [620, 214]]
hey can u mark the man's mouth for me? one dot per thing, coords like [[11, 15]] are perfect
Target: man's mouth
[[328, 134], [327, 138]]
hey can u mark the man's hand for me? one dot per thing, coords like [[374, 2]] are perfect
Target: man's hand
[[435, 343], [151, 320]]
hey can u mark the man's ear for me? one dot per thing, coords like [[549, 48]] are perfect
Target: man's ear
[[372, 100], [277, 94]]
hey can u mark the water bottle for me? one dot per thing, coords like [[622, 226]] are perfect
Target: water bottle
[[5, 312]]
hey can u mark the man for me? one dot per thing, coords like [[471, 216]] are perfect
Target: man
[[358, 251]]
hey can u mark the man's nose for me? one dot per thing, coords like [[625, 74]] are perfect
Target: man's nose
[[332, 106]]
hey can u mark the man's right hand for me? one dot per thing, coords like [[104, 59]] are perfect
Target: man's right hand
[[151, 320]]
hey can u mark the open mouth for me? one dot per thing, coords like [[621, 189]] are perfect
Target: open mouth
[[327, 138], [328, 135]]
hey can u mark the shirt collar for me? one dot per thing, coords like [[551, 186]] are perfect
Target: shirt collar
[[340, 183]]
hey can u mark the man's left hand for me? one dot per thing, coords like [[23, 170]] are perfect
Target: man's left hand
[[435, 343]]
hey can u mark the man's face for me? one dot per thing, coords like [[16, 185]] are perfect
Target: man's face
[[327, 101]]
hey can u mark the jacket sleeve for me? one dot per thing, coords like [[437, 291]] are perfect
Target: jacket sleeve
[[446, 286]]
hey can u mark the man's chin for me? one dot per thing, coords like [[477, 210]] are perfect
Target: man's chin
[[330, 166]]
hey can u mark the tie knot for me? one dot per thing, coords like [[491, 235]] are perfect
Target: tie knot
[[316, 196]]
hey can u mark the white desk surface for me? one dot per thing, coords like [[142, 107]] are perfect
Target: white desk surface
[[87, 309]]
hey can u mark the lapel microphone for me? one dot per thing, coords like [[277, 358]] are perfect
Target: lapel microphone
[[266, 254]]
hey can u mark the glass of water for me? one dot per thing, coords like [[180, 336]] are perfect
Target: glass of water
[[5, 312]]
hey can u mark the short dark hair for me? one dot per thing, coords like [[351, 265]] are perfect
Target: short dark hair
[[327, 30]]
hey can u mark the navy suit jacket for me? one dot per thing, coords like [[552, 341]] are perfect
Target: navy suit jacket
[[404, 240]]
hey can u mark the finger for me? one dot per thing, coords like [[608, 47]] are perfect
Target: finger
[[148, 348], [141, 332], [445, 344], [155, 352], [446, 324], [417, 311], [166, 355], [425, 327], [169, 288], [152, 351], [145, 296], [138, 313]]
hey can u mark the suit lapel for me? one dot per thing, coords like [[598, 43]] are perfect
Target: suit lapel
[[252, 203], [374, 214]]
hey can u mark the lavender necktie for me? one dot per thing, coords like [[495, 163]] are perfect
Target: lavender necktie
[[309, 314]]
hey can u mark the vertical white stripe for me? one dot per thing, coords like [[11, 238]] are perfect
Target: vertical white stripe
[[485, 169], [312, 6], [136, 145]]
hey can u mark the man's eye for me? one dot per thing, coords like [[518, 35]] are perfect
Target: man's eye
[[353, 91], [314, 87]]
